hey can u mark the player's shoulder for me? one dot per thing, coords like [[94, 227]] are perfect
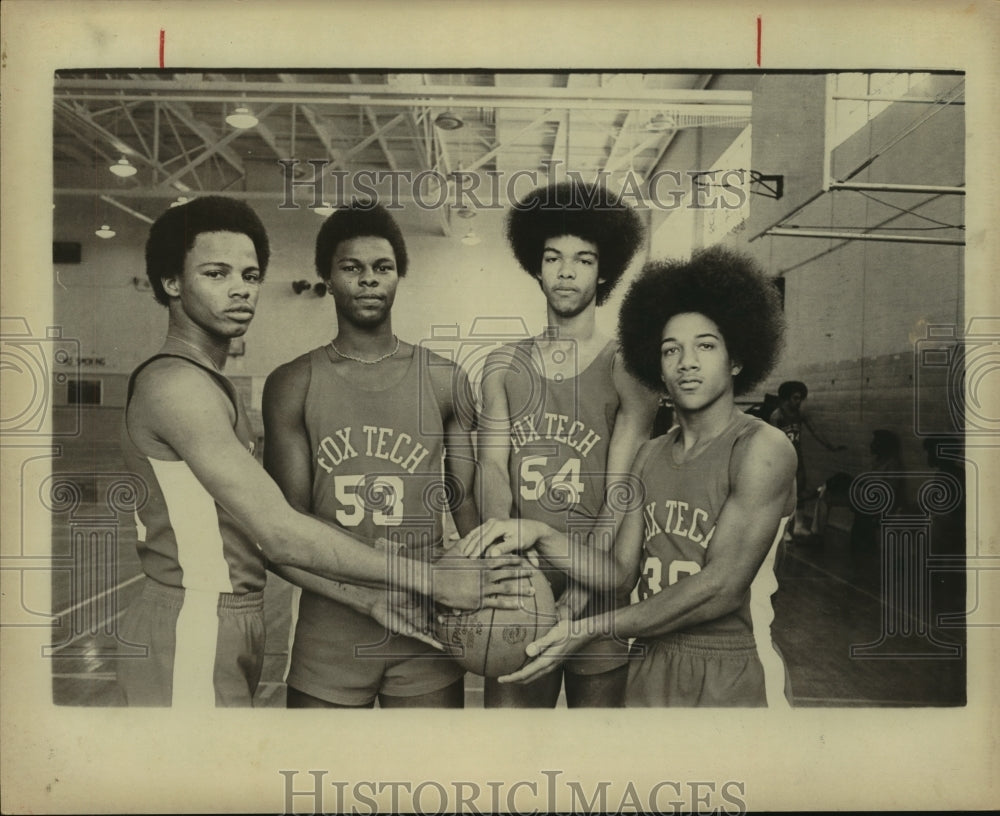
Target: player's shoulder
[[505, 351], [651, 449], [435, 361], [758, 441], [293, 372], [448, 378], [172, 377], [628, 386], [285, 388], [504, 358], [176, 394]]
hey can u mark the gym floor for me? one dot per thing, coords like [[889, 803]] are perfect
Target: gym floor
[[850, 631]]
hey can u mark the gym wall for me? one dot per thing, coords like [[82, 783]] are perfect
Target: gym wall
[[856, 309]]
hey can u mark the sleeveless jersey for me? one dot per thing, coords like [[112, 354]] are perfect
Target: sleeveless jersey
[[560, 431], [377, 472], [377, 455], [682, 506], [185, 539]]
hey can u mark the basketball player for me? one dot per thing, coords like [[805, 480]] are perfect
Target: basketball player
[[790, 417], [356, 431], [561, 416], [213, 518], [698, 547]]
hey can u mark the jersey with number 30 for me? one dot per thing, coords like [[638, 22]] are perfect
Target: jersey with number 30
[[681, 507], [559, 437]]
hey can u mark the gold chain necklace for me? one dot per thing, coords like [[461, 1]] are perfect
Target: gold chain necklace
[[361, 360]]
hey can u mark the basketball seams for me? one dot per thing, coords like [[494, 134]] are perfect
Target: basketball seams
[[534, 602], [519, 627]]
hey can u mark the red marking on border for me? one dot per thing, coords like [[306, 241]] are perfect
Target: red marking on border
[[758, 42], [163, 37]]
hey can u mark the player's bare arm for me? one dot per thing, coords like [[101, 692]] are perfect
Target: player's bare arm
[[763, 467], [762, 470], [633, 425], [287, 457], [454, 396], [822, 440], [493, 437], [188, 416], [591, 566]]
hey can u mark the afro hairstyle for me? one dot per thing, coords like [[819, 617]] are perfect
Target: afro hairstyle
[[174, 232], [587, 211], [359, 218], [786, 389], [725, 286]]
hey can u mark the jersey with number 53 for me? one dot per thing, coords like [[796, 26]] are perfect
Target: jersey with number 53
[[377, 454], [681, 506], [559, 437]]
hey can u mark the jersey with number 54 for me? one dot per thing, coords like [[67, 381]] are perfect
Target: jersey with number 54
[[559, 437]]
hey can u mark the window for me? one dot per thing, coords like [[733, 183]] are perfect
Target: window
[[852, 106], [83, 392]]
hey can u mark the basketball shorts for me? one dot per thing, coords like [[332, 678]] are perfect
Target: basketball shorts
[[682, 670], [345, 657], [203, 649], [606, 652], [601, 655]]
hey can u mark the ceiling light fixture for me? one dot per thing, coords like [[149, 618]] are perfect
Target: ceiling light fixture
[[180, 200], [123, 168], [242, 118], [105, 232], [448, 121], [470, 238], [326, 209], [660, 123], [464, 212]]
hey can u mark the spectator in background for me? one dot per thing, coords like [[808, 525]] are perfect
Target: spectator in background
[[790, 417]]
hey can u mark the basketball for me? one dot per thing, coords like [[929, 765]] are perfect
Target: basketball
[[491, 642]]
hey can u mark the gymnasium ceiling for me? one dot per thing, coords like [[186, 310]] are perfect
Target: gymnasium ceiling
[[172, 127]]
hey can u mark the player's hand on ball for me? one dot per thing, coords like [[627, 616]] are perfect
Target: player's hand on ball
[[561, 641], [562, 608], [467, 583], [502, 536], [405, 614]]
